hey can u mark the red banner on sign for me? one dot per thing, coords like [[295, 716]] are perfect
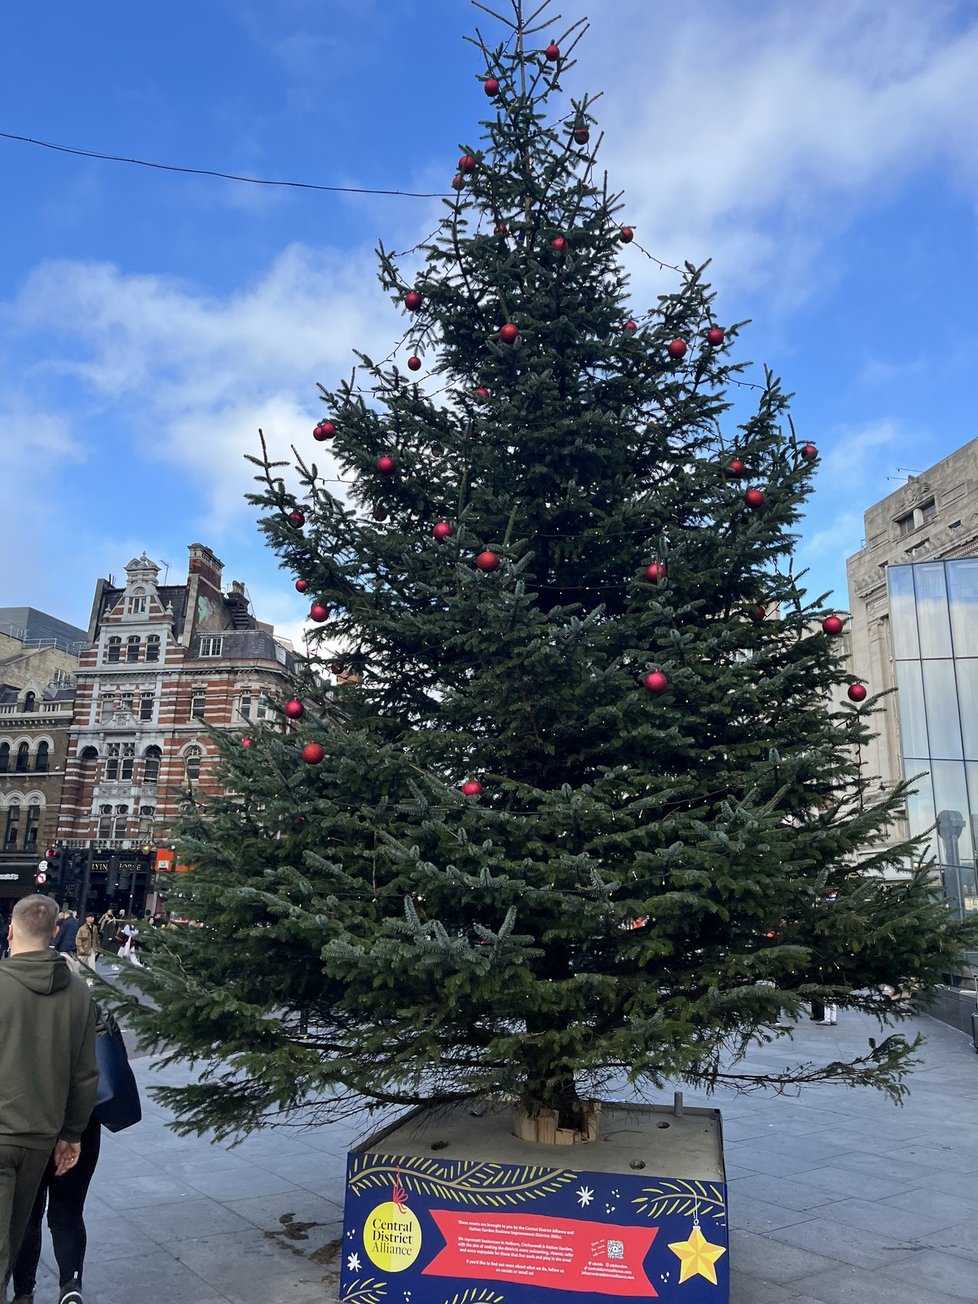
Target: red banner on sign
[[534, 1250]]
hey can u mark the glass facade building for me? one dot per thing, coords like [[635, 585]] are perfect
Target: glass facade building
[[934, 639]]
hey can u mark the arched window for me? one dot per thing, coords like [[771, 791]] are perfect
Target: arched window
[[153, 647], [30, 701], [41, 758], [104, 823], [151, 764], [4, 757], [23, 752], [88, 755], [119, 760], [191, 758], [113, 649], [132, 648], [11, 827]]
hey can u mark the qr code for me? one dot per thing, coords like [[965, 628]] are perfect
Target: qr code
[[616, 1249]]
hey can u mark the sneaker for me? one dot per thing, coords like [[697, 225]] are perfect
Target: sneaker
[[825, 1023], [71, 1292]]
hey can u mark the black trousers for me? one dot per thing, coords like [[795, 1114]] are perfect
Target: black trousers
[[65, 1200]]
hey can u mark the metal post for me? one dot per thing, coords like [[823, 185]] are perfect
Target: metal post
[[86, 884]]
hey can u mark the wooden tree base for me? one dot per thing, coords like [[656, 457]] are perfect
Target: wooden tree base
[[542, 1128]]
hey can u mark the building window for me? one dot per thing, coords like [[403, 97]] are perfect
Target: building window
[[120, 820], [197, 704], [192, 757], [132, 649], [107, 706], [211, 646], [119, 762], [153, 647], [30, 702], [11, 828], [911, 521], [113, 649], [23, 752], [125, 701], [4, 758], [30, 833], [244, 704], [41, 758], [104, 823], [137, 606], [151, 764], [88, 755], [146, 703]]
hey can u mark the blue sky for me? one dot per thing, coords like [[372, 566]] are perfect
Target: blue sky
[[822, 155]]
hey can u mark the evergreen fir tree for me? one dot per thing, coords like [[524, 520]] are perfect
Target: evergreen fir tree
[[589, 804]]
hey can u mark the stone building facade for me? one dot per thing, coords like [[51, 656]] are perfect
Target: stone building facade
[[38, 661], [913, 592]]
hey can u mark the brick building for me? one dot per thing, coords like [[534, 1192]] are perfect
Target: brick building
[[38, 660], [162, 663]]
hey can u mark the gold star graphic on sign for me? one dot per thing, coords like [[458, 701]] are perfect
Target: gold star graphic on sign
[[697, 1256]]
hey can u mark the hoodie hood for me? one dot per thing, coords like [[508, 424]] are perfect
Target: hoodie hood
[[42, 972]]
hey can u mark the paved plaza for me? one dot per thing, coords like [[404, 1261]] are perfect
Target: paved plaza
[[836, 1196]]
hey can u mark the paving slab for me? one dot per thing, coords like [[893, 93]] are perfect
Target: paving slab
[[836, 1196]]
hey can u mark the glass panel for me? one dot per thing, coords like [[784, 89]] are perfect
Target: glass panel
[[962, 591], [941, 704], [903, 613], [920, 805], [953, 817], [933, 623], [910, 703], [967, 677]]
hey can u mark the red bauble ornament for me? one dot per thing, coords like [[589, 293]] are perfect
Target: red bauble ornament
[[655, 682], [735, 468], [626, 235], [414, 363], [552, 52], [386, 464], [379, 513], [491, 87], [760, 613], [457, 181], [558, 243], [655, 572], [809, 452], [442, 531], [630, 326], [313, 753], [715, 336], [508, 332], [318, 612], [856, 693], [502, 228], [581, 135], [324, 430], [467, 164], [297, 518], [833, 625], [337, 667], [482, 393], [755, 500], [412, 301], [294, 709], [245, 742], [677, 349], [487, 561], [471, 787], [301, 586]]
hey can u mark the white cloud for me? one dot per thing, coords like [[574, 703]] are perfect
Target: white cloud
[[743, 135]]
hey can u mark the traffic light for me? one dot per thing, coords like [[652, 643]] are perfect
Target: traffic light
[[52, 872]]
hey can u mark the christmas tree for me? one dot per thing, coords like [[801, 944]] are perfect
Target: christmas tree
[[569, 792]]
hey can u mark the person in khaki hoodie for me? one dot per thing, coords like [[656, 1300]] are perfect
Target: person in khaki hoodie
[[87, 941], [48, 1074]]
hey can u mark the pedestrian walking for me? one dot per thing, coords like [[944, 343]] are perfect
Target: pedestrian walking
[[87, 941], [48, 1074]]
